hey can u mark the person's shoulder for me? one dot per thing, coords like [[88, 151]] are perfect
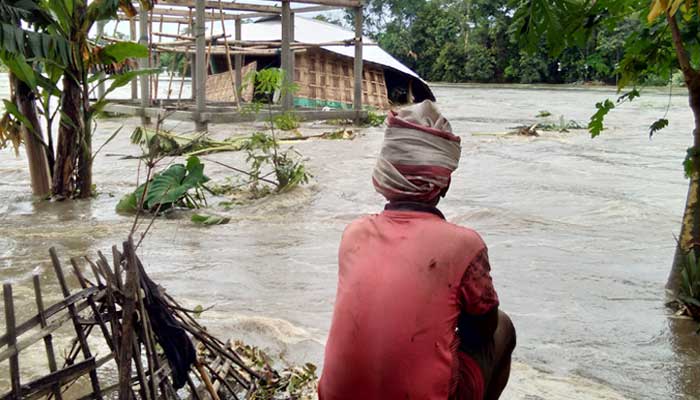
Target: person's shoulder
[[359, 224], [466, 234]]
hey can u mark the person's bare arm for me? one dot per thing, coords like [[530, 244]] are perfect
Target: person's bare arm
[[478, 329]]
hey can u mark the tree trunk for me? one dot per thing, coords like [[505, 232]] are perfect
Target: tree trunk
[[84, 176], [36, 152], [69, 135], [689, 238]]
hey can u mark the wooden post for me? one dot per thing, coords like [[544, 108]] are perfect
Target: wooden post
[[143, 64], [287, 99], [128, 329], [132, 37], [292, 56], [79, 332], [10, 328], [357, 99], [200, 63], [101, 84], [238, 58], [48, 341]]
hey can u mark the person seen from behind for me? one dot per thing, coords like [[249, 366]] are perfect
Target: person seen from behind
[[416, 314]]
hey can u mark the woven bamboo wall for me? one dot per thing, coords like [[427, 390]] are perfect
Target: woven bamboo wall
[[327, 78], [220, 86]]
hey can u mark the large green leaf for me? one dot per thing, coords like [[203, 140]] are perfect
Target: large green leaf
[[170, 187], [209, 219], [11, 108], [21, 69], [124, 79], [119, 52]]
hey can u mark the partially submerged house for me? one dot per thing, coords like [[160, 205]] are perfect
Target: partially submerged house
[[324, 74], [338, 72]]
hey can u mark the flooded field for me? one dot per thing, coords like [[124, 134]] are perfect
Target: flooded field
[[580, 234]]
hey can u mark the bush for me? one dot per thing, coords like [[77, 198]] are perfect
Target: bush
[[286, 122], [375, 119], [689, 294], [287, 167]]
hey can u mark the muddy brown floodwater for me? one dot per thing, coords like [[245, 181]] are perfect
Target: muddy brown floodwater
[[580, 234]]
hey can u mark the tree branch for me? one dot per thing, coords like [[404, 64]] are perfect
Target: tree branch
[[688, 72]]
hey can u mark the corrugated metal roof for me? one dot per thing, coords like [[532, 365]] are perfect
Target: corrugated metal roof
[[313, 31]]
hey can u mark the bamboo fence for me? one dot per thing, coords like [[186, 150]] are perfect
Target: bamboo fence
[[154, 344]]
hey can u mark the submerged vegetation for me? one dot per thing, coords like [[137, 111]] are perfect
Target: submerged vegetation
[[689, 291], [287, 121], [270, 168], [180, 185]]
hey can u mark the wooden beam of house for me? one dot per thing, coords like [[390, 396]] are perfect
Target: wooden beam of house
[[225, 5], [174, 12], [334, 3], [182, 20], [301, 10]]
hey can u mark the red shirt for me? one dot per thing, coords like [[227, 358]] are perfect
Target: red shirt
[[404, 277]]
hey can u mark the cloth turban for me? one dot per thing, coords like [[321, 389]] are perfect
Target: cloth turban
[[418, 155]]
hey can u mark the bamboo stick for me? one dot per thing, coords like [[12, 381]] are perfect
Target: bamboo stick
[[207, 381], [127, 331], [48, 341], [228, 59], [117, 258], [51, 311], [76, 324], [10, 328]]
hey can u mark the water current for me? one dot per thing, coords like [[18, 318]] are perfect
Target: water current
[[580, 234]]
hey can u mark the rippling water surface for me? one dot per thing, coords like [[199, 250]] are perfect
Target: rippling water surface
[[580, 233]]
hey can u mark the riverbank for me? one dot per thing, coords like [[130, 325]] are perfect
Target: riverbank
[[580, 234]]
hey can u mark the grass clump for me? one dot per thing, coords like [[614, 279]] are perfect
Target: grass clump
[[287, 121]]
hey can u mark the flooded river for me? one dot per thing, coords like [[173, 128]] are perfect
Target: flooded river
[[580, 234]]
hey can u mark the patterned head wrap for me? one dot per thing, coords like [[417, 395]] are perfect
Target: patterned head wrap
[[418, 155]]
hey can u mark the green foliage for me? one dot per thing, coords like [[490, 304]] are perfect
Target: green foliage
[[287, 121], [263, 153], [689, 293], [658, 125], [543, 114], [201, 219], [177, 186], [174, 62], [692, 153], [375, 119], [595, 126], [120, 51], [296, 382], [263, 150]]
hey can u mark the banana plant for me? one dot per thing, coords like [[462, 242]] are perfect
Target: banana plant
[[57, 47]]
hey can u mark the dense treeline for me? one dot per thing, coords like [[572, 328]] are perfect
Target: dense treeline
[[474, 41]]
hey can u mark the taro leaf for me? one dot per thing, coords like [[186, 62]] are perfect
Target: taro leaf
[[195, 172], [171, 185], [167, 187], [657, 126], [128, 204], [209, 219]]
